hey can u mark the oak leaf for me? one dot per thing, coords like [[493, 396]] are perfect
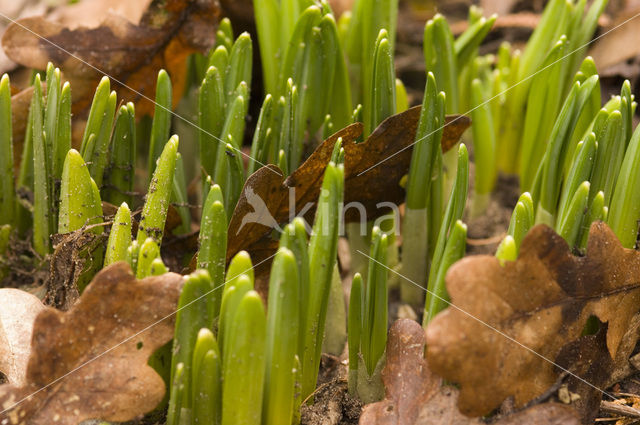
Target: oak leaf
[[416, 396], [131, 54], [91, 362], [512, 324], [18, 310], [372, 174]]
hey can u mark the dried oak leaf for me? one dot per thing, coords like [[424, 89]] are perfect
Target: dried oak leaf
[[91, 362], [416, 396], [542, 302], [168, 32], [264, 203], [18, 310]]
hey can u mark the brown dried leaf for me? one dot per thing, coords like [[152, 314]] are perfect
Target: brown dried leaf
[[168, 32], [416, 396], [90, 362], [542, 301], [618, 45], [77, 256], [18, 311], [90, 13], [264, 202]]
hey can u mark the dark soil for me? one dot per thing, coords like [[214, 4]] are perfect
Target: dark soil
[[484, 233], [332, 403], [24, 268]]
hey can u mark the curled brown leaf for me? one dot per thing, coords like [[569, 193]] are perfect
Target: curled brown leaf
[[91, 362], [416, 396], [511, 324], [168, 32], [373, 171]]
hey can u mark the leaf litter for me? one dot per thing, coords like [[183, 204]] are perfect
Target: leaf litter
[[543, 301], [417, 396], [264, 203], [166, 34], [100, 347]]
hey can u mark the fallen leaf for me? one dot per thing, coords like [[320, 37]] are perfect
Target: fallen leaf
[[168, 32], [16, 9], [90, 13], [264, 203], [91, 362], [18, 310], [416, 396], [76, 257], [541, 301], [618, 45]]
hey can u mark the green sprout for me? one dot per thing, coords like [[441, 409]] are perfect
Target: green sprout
[[97, 133], [7, 189], [42, 203], [213, 244], [625, 203], [161, 125], [451, 242], [120, 174], [322, 256], [368, 310], [244, 363], [193, 315], [148, 253], [283, 326], [154, 212], [119, 236], [424, 167]]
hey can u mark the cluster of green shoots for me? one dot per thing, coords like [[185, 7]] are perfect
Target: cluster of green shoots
[[586, 174], [236, 359], [513, 98], [233, 363]]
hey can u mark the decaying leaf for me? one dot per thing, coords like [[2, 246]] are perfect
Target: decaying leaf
[[168, 32], [416, 396], [76, 257], [91, 362], [265, 200], [542, 301], [18, 310]]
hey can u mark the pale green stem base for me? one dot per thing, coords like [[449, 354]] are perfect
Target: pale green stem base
[[415, 253], [544, 217], [335, 330], [370, 388]]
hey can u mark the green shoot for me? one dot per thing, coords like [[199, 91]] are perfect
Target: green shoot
[[161, 125], [119, 236], [7, 189], [121, 172], [244, 363], [625, 203], [283, 319], [322, 257], [154, 212], [213, 244]]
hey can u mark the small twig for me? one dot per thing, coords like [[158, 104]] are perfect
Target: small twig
[[326, 384], [619, 409]]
